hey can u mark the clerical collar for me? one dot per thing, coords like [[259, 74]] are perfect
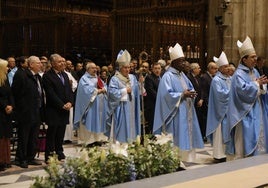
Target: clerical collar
[[245, 68], [92, 76], [223, 76], [175, 71]]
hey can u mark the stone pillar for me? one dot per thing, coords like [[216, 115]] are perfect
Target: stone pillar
[[241, 18], [245, 18], [260, 32], [215, 29]]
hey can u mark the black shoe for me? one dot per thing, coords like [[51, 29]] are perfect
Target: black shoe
[[61, 156], [34, 162], [2, 167], [23, 164], [67, 142], [95, 144], [17, 162], [7, 165], [220, 160]]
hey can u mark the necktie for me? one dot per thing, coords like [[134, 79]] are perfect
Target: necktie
[[39, 89], [61, 78], [38, 84], [196, 81]]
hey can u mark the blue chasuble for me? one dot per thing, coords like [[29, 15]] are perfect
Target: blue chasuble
[[218, 105], [94, 119], [123, 114], [246, 108], [176, 114]]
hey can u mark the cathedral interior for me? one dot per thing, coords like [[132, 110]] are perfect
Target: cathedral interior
[[99, 29]]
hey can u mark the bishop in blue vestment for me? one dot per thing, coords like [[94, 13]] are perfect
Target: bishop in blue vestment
[[246, 119], [123, 120], [174, 109], [91, 107], [216, 130]]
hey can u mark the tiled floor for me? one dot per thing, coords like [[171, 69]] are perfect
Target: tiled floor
[[22, 178]]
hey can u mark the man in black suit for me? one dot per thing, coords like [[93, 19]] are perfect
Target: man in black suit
[[194, 77], [59, 100], [206, 79], [151, 86], [28, 93]]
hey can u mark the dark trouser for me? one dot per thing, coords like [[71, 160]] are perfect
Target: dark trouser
[[149, 117], [27, 141], [201, 113], [54, 139]]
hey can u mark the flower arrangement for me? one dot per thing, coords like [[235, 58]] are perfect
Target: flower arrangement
[[112, 164]]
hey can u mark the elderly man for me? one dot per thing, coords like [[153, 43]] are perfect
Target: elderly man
[[194, 77], [217, 108], [28, 93], [124, 102], [90, 107], [59, 101], [174, 109], [206, 79], [247, 121]]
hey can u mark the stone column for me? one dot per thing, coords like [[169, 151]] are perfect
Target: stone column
[[260, 32], [215, 30], [245, 18]]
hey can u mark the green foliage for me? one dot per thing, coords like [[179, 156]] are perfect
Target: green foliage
[[112, 164]]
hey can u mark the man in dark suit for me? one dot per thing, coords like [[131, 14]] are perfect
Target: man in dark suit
[[28, 93], [206, 79], [194, 77], [59, 100], [151, 86]]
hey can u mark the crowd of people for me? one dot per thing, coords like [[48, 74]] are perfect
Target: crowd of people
[[224, 105]]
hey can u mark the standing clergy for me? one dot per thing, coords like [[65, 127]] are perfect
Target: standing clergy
[[90, 107], [246, 120], [124, 102], [174, 109], [217, 108]]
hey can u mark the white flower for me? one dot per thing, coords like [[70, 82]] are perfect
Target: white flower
[[118, 148], [103, 155], [84, 155], [163, 138]]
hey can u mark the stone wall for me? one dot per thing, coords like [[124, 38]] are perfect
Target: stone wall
[[239, 19]]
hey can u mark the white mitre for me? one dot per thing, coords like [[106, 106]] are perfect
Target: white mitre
[[175, 52], [245, 48], [222, 60], [123, 58]]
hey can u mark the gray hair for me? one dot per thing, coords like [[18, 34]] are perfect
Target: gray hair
[[88, 64], [194, 66], [211, 64], [54, 57], [32, 59]]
